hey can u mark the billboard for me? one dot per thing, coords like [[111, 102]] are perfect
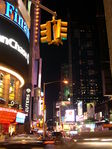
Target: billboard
[[80, 111], [70, 115], [90, 110]]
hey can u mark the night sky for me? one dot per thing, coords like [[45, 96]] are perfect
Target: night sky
[[54, 56]]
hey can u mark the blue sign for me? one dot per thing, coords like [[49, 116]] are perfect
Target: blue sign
[[12, 14]]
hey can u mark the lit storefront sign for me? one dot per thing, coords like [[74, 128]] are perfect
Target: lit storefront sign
[[11, 116], [7, 115], [27, 101], [12, 14], [20, 117], [14, 44], [7, 110]]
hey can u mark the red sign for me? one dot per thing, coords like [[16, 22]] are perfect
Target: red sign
[[7, 115]]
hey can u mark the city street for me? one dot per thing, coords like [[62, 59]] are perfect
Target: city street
[[81, 145], [55, 74], [96, 140]]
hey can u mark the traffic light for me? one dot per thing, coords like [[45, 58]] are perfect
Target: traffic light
[[55, 41], [61, 30], [45, 32]]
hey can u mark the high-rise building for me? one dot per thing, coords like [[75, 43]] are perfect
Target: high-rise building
[[86, 64], [90, 61], [105, 57]]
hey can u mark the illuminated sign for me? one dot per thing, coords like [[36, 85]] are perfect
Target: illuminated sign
[[12, 14], [7, 115], [14, 44], [20, 117], [66, 127], [107, 125], [27, 102], [11, 103], [80, 112], [65, 103], [69, 115], [79, 118], [2, 109], [90, 110]]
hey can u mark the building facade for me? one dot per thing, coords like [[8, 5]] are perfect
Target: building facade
[[14, 67], [86, 64], [91, 66]]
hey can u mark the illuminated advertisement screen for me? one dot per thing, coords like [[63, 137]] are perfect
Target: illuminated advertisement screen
[[20, 117], [90, 110], [70, 115], [80, 108]]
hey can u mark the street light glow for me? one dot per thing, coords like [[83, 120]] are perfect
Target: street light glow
[[65, 81]]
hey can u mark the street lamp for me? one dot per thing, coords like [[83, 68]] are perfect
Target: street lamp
[[44, 89]]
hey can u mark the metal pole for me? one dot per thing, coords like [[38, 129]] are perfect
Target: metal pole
[[44, 111], [45, 8], [44, 89]]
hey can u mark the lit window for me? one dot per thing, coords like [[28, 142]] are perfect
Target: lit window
[[11, 89], [1, 84]]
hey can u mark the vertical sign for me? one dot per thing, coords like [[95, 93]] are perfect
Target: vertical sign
[[80, 111], [27, 103]]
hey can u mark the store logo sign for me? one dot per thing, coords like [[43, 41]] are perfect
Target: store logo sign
[[12, 14], [14, 44], [27, 102]]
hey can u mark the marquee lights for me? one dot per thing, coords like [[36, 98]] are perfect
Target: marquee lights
[[14, 74], [36, 22], [14, 44]]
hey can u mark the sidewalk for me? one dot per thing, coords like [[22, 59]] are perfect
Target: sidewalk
[[2, 138]]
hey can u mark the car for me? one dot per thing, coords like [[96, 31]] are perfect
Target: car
[[57, 137]]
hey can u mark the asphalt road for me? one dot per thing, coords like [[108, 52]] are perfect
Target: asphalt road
[[81, 145], [100, 140]]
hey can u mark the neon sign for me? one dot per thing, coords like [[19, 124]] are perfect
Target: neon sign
[[14, 44], [12, 14]]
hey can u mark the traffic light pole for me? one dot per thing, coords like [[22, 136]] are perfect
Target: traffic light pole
[[44, 131], [45, 8]]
